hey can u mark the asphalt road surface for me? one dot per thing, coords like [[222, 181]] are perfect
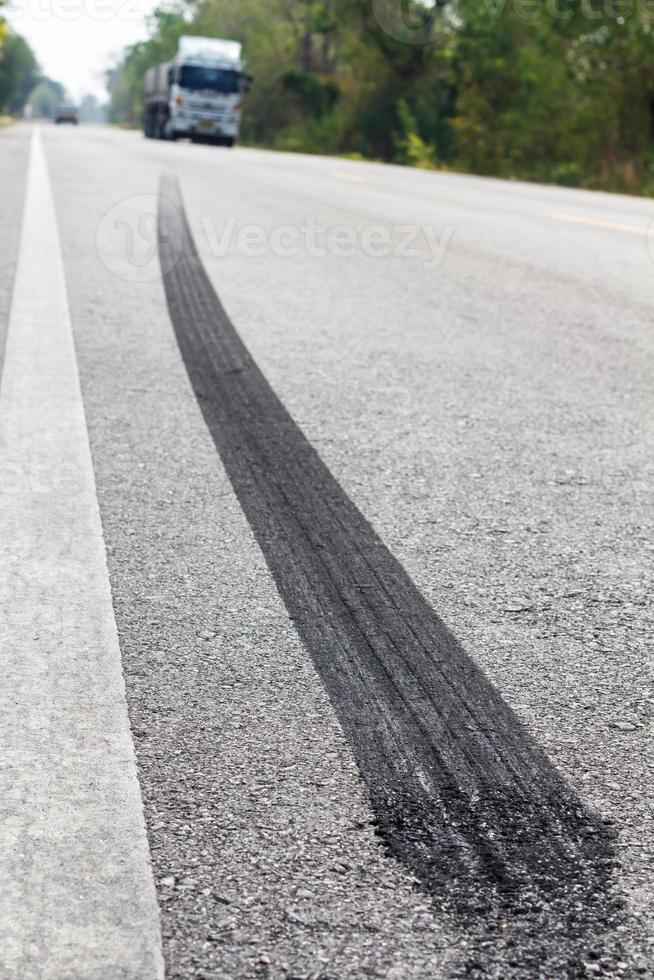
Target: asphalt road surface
[[372, 450]]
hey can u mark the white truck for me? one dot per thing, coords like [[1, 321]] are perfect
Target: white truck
[[198, 94]]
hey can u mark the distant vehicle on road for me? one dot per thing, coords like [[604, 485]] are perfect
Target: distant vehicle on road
[[198, 94], [67, 114]]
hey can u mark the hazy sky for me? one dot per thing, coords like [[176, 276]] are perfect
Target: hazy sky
[[76, 40]]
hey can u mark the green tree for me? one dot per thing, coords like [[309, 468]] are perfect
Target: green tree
[[125, 81], [45, 97], [18, 72], [519, 88]]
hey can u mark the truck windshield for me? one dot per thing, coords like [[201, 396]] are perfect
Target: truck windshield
[[214, 79]]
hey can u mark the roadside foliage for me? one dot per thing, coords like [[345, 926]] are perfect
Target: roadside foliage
[[554, 90], [21, 79], [18, 70]]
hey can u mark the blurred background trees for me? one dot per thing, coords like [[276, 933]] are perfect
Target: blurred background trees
[[45, 97], [553, 90], [19, 71], [21, 79]]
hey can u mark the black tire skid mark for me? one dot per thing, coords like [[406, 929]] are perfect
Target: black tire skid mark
[[462, 794]]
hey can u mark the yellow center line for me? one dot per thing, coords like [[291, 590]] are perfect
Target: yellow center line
[[340, 175], [599, 223]]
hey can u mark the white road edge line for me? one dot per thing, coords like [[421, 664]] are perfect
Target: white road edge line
[[77, 898]]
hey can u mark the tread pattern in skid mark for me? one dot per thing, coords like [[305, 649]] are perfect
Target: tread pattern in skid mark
[[462, 794]]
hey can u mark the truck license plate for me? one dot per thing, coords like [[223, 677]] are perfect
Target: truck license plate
[[206, 123]]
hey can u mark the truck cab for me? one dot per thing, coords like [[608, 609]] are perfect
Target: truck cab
[[206, 102], [198, 94]]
